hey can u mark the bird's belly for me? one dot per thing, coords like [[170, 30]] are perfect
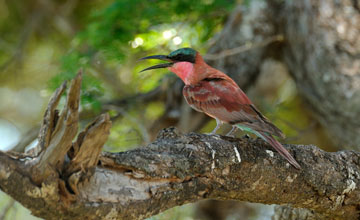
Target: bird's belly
[[220, 113]]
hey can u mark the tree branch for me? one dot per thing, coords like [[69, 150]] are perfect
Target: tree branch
[[175, 169], [246, 47]]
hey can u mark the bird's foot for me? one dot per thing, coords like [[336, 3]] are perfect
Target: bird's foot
[[233, 130], [211, 133], [246, 136]]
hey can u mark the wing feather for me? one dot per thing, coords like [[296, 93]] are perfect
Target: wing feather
[[224, 100]]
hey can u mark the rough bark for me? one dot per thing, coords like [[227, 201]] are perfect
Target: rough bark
[[290, 213], [319, 45], [225, 54], [318, 42], [323, 54], [83, 183]]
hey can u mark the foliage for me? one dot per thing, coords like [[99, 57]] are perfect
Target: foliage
[[124, 31], [106, 38], [119, 34], [126, 28]]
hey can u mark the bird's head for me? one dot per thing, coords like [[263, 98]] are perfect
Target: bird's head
[[181, 62]]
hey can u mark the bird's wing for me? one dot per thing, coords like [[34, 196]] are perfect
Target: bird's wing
[[222, 99]]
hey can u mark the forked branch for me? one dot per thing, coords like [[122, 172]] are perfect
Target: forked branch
[[74, 180]]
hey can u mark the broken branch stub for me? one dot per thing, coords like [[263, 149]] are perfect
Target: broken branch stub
[[174, 170], [49, 121], [87, 148], [57, 137]]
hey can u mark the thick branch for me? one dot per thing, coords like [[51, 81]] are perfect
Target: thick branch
[[76, 182], [321, 50], [178, 169]]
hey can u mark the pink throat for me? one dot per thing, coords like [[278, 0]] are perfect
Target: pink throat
[[183, 70]]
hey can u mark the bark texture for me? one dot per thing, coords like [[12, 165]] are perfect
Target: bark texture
[[323, 54], [320, 47], [317, 40], [62, 179]]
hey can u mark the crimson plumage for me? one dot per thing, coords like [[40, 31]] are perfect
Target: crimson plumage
[[220, 98], [210, 91]]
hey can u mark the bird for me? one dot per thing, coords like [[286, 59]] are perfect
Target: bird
[[214, 93]]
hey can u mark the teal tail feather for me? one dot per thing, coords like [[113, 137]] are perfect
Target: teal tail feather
[[274, 143]]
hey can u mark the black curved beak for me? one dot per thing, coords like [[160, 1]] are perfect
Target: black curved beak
[[158, 57]]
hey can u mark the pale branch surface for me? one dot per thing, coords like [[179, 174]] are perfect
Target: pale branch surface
[[176, 169]]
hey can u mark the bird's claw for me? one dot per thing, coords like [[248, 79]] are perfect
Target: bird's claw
[[230, 133], [211, 133], [246, 136]]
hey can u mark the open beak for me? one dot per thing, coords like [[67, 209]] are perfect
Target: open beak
[[158, 57]]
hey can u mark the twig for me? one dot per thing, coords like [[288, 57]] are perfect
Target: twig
[[247, 46]]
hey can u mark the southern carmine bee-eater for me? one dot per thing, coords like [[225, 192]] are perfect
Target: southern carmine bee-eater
[[212, 92]]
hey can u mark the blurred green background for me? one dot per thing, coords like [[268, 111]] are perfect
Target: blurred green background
[[43, 43]]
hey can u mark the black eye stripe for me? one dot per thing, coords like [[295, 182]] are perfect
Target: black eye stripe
[[183, 57], [213, 79]]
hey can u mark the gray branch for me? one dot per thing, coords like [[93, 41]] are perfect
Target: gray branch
[[175, 169], [320, 48]]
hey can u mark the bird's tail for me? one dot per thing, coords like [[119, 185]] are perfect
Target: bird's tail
[[279, 148]]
